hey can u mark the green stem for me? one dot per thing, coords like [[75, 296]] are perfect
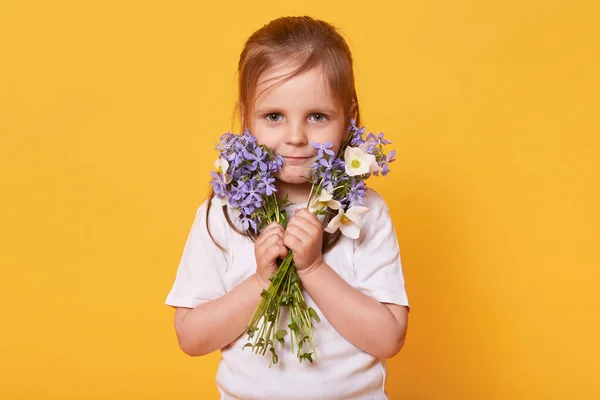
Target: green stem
[[269, 306]]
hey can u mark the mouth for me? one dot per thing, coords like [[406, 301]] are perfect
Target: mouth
[[296, 160]]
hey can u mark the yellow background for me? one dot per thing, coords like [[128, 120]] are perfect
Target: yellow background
[[108, 113]]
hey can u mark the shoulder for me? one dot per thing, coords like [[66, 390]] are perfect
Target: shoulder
[[212, 217], [374, 200], [377, 217]]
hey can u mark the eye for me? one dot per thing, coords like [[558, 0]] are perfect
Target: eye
[[273, 117], [319, 117]]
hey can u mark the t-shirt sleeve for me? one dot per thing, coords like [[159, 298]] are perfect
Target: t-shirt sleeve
[[201, 272], [377, 263]]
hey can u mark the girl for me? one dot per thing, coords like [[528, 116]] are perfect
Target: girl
[[296, 86]]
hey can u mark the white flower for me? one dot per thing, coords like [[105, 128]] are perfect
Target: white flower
[[325, 199], [221, 166], [374, 167], [348, 222], [357, 161]]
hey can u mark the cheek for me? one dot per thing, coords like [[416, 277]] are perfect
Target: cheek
[[264, 135], [337, 138], [269, 142]]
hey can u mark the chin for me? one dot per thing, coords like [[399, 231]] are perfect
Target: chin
[[294, 175]]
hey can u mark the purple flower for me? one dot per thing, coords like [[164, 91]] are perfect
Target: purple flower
[[378, 139], [323, 148], [236, 195], [339, 164], [276, 164], [257, 158], [252, 194], [252, 168], [326, 162], [237, 159], [218, 185], [390, 157], [384, 163], [385, 169], [354, 129], [279, 161], [266, 183], [357, 192], [246, 223], [247, 210], [226, 141], [357, 141], [356, 134]]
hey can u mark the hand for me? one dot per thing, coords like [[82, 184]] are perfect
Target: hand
[[267, 248], [304, 236]]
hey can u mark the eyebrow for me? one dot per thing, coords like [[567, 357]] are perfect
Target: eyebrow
[[324, 110]]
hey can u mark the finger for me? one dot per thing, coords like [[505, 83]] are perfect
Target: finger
[[306, 218], [272, 253], [305, 226], [311, 218], [273, 228], [276, 250], [292, 242], [297, 232], [274, 239], [283, 251]]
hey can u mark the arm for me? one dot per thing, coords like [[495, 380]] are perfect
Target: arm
[[376, 328], [213, 325]]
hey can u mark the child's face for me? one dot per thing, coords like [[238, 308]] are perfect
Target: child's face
[[291, 115]]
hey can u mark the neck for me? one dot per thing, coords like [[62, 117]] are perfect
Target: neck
[[296, 193]]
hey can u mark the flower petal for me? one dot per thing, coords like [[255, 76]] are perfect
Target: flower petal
[[314, 205], [325, 196], [334, 224], [353, 154], [355, 214], [334, 204], [221, 164], [374, 167], [348, 154], [358, 210], [350, 230]]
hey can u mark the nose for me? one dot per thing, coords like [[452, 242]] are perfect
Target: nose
[[295, 134]]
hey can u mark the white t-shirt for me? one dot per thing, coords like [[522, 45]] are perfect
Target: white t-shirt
[[370, 264]]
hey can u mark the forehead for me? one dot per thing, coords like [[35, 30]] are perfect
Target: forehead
[[308, 89]]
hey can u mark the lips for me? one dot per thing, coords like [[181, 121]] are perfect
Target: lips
[[296, 160]]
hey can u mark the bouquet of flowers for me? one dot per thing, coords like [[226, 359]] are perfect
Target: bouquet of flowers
[[244, 179]]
